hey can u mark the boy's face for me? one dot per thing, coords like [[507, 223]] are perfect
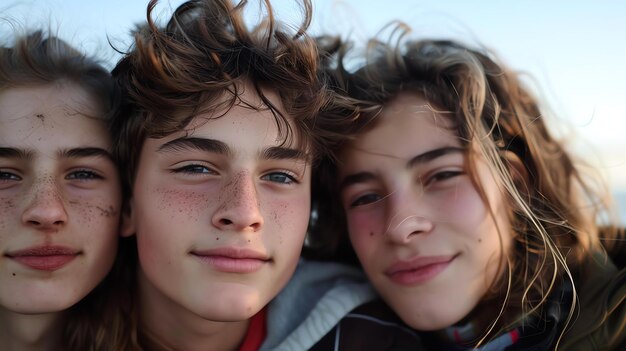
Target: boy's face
[[220, 211], [60, 198]]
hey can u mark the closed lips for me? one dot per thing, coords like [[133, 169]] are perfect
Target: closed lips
[[44, 258], [232, 260], [417, 263], [418, 270]]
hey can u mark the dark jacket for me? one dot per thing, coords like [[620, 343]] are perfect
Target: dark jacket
[[370, 327], [601, 322]]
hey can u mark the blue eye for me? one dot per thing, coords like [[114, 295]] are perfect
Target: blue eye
[[4, 176], [83, 174], [280, 177], [366, 199]]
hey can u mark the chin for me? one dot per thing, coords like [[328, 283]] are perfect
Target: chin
[[230, 313], [234, 307], [432, 324], [39, 306]]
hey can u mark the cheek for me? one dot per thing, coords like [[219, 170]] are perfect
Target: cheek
[[364, 227], [164, 211], [461, 206], [99, 214], [7, 213], [286, 220], [96, 213], [187, 204]]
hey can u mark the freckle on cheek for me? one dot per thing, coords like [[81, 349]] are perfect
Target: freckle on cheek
[[107, 211], [179, 202], [5, 211]]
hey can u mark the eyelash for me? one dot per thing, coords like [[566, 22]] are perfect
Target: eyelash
[[8, 176], [193, 169], [290, 177], [87, 174], [365, 199], [443, 176]]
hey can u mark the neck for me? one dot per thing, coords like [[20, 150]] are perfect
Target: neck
[[30, 332], [171, 326]]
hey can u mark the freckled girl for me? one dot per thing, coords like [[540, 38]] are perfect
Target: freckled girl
[[473, 223], [60, 195]]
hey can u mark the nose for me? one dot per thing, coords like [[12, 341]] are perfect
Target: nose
[[239, 207], [408, 216], [46, 210]]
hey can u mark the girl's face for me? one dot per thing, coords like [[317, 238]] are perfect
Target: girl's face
[[59, 198], [422, 232]]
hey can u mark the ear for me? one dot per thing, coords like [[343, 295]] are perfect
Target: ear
[[128, 220]]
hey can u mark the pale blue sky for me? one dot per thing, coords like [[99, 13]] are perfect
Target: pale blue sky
[[576, 50]]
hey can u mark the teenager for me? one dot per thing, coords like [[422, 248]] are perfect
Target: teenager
[[472, 221], [60, 195]]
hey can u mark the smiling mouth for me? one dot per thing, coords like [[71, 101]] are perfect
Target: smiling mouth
[[418, 271], [232, 260]]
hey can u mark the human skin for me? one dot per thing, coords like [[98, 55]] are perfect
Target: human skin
[[220, 211], [60, 198], [424, 236]]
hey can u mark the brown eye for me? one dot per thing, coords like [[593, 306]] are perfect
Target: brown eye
[[443, 176], [366, 199]]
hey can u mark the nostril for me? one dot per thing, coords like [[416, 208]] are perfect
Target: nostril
[[226, 221]]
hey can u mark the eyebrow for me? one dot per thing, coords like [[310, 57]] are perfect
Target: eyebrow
[[219, 147], [427, 156], [9, 152], [356, 178], [284, 153], [81, 152], [202, 144], [433, 154]]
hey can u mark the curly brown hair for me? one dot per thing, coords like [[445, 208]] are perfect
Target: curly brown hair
[[199, 61]]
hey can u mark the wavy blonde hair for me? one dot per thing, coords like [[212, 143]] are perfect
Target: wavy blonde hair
[[553, 206]]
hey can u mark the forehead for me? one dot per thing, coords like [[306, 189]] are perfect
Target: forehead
[[249, 120], [41, 113], [408, 124]]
